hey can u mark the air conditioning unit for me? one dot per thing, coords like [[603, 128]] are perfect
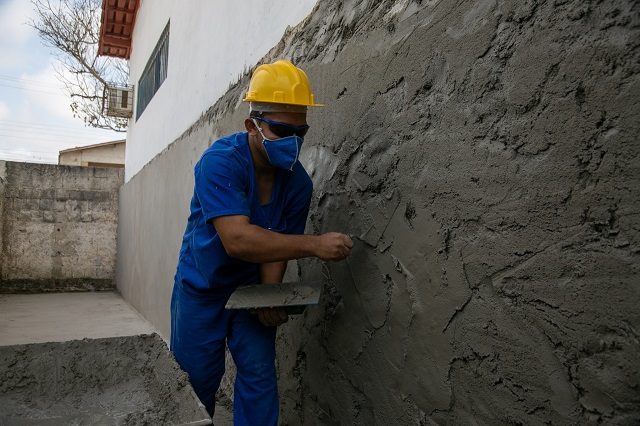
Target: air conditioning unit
[[119, 100]]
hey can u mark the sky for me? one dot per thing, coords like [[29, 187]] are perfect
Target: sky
[[36, 121]]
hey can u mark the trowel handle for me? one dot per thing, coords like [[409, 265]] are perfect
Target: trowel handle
[[291, 310]]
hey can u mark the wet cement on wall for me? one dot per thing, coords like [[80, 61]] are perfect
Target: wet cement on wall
[[484, 156]]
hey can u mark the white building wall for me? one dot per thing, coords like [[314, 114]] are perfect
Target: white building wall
[[112, 154], [223, 37]]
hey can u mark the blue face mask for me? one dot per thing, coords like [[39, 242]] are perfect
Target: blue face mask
[[282, 153]]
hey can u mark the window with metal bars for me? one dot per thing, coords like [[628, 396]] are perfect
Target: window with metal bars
[[154, 73]]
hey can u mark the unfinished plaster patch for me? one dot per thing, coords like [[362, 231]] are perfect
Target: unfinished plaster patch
[[497, 284]]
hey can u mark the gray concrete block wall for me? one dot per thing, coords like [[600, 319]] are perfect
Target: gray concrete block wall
[[3, 168], [59, 226], [485, 157]]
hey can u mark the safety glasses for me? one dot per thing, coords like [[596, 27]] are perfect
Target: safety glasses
[[284, 130]]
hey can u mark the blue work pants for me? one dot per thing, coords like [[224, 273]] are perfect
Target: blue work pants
[[199, 329]]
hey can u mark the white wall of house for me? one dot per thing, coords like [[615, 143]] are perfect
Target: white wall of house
[[222, 38], [100, 155]]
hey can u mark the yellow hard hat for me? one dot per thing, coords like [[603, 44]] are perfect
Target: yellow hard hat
[[280, 83]]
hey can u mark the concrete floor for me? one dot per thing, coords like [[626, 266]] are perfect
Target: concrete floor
[[59, 317]]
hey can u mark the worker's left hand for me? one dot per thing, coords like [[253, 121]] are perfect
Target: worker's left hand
[[272, 316]]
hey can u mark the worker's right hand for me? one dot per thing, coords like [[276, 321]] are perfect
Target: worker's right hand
[[333, 246], [271, 317]]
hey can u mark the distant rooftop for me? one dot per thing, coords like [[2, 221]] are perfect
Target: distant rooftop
[[106, 154], [85, 147]]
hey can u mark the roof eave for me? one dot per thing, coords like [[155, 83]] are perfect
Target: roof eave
[[116, 27]]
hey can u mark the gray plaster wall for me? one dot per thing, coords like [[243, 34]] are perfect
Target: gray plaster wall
[[484, 156], [58, 228]]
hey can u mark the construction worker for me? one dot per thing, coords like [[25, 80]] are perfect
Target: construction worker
[[248, 213]]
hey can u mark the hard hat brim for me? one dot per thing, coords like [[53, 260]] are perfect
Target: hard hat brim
[[274, 107]]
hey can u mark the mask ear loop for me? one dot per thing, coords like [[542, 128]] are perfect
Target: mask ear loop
[[264, 138], [296, 138]]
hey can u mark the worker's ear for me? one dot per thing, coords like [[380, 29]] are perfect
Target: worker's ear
[[250, 126]]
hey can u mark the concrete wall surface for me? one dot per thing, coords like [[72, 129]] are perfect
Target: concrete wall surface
[[485, 157], [3, 178], [211, 43], [59, 226]]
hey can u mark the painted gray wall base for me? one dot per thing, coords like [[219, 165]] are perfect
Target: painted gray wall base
[[58, 228], [485, 157]]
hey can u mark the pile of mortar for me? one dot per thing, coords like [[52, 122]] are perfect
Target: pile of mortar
[[113, 381]]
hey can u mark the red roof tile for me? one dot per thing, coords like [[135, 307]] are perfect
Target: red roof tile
[[116, 28]]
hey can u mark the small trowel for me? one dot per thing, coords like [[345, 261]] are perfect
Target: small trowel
[[293, 296]]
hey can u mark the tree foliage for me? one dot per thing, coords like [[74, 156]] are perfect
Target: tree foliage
[[72, 28]]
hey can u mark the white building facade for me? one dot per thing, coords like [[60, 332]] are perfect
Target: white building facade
[[210, 44]]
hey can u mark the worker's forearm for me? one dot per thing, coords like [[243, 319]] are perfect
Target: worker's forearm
[[272, 272], [259, 245]]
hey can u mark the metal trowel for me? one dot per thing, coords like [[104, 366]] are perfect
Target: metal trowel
[[293, 296]]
